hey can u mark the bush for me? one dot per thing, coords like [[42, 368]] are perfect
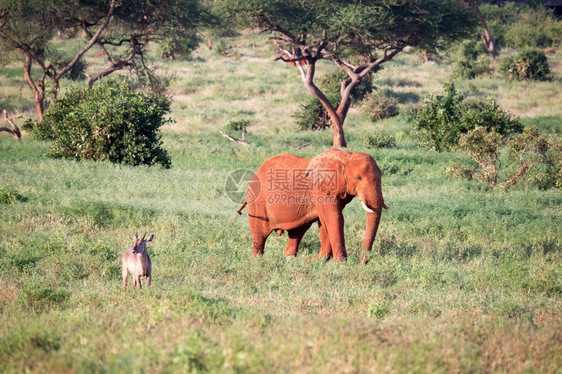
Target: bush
[[331, 83], [379, 139], [483, 146], [539, 152], [444, 118], [239, 125], [530, 154], [179, 46], [78, 70], [380, 105], [471, 60], [523, 26], [536, 27], [527, 65], [312, 116], [486, 113], [108, 122], [9, 195]]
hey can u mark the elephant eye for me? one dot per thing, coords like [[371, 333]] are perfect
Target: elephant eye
[[358, 178]]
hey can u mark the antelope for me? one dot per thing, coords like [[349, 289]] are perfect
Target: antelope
[[136, 261]]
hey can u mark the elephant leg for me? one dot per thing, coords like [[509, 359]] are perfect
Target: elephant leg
[[258, 238], [258, 244], [259, 235], [295, 237], [325, 245], [332, 219]]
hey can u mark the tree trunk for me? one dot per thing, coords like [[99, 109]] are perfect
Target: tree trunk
[[487, 39], [338, 139], [39, 94]]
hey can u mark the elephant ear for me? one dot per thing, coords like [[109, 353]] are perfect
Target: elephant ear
[[326, 173]]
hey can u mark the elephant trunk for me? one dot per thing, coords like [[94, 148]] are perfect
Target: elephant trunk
[[373, 220], [373, 203]]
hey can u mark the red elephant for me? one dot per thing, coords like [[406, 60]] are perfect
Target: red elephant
[[290, 193]]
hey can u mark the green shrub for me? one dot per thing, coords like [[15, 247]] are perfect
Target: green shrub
[[527, 65], [483, 146], [178, 46], [78, 70], [25, 259], [530, 154], [331, 82], [481, 112], [311, 115], [444, 118], [108, 122], [378, 309], [380, 105], [437, 125], [237, 126], [471, 60], [379, 139], [523, 26], [9, 195], [536, 27], [539, 155]]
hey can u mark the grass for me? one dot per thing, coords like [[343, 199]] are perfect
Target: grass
[[461, 278]]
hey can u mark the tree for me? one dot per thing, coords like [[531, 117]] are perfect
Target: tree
[[122, 29], [358, 36], [489, 42]]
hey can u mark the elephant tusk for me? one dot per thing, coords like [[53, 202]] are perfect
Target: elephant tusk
[[366, 208]]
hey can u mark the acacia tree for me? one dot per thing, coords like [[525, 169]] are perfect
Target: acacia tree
[[489, 42], [122, 29], [357, 36]]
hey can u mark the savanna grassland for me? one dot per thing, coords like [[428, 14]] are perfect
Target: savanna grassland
[[462, 277]]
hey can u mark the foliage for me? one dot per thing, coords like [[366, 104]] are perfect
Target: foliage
[[483, 146], [380, 105], [38, 298], [530, 153], [523, 25], [239, 125], [30, 27], [444, 118], [179, 46], [109, 122], [379, 139], [471, 60], [311, 115], [532, 148], [481, 112], [438, 123], [9, 195], [527, 65], [357, 36], [331, 83], [457, 268]]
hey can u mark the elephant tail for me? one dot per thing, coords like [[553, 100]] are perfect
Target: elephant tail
[[239, 211]]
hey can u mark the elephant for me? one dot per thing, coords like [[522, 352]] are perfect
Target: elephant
[[290, 193]]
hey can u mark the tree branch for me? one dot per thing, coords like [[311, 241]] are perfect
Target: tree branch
[[15, 130], [233, 139], [89, 45]]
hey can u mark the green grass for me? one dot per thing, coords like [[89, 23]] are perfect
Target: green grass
[[461, 278]]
